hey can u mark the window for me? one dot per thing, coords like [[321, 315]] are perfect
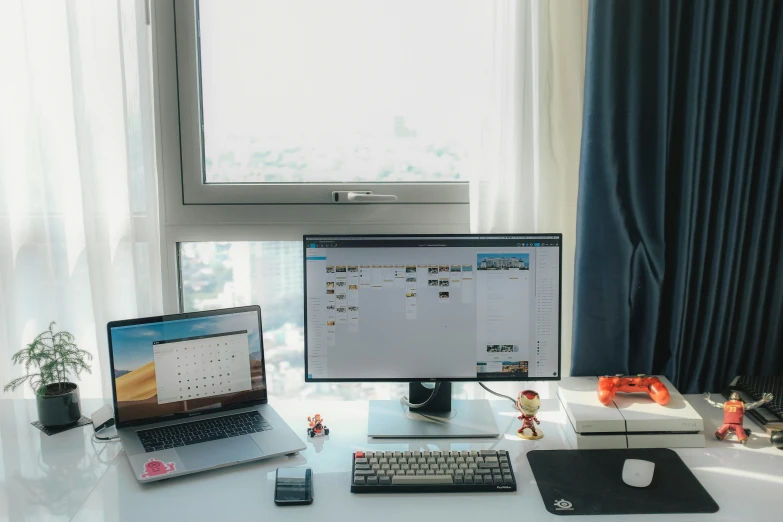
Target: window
[[296, 100], [329, 109]]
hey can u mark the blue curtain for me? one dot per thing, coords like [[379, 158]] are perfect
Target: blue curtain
[[679, 258]]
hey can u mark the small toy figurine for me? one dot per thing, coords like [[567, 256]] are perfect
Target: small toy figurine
[[608, 386], [734, 414], [528, 403], [317, 426]]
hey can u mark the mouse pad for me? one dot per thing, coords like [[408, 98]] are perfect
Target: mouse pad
[[590, 482]]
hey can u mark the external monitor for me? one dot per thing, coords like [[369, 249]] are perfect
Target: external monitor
[[432, 309]]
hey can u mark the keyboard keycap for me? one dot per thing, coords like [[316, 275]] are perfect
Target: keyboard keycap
[[422, 479], [206, 439]]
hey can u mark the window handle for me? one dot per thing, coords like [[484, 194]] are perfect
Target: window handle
[[350, 196]]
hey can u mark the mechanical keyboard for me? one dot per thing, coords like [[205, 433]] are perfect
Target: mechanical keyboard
[[194, 432], [431, 472]]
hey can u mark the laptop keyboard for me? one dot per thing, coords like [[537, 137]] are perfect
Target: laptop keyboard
[[194, 432]]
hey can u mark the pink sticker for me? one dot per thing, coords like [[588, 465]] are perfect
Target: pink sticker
[[153, 468]]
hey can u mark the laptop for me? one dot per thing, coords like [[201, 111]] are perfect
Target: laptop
[[190, 393]]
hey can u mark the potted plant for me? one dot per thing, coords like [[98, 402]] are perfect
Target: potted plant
[[56, 356]]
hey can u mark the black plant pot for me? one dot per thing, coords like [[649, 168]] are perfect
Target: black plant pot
[[777, 439], [60, 409]]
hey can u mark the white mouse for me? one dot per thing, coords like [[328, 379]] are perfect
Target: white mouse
[[638, 473]]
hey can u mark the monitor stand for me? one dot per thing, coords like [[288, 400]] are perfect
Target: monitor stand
[[442, 418]]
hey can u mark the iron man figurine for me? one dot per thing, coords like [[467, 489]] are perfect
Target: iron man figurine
[[528, 403], [734, 415]]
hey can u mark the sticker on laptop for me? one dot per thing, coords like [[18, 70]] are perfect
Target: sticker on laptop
[[155, 468]]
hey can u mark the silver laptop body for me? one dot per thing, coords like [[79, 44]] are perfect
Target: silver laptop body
[[190, 393]]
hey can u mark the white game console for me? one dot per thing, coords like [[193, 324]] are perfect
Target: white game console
[[631, 420]]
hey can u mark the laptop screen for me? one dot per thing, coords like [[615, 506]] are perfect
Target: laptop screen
[[181, 365]]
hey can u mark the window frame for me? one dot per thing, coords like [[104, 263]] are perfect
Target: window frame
[[196, 191]]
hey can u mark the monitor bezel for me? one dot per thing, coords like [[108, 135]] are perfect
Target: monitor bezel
[[175, 317], [307, 237]]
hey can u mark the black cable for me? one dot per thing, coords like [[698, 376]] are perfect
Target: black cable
[[407, 402], [498, 394]]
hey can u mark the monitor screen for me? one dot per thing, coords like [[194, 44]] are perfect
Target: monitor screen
[[406, 308], [164, 367]]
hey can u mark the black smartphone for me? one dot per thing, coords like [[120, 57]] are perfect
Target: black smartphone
[[293, 486]]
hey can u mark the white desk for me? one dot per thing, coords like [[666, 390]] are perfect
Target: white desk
[[66, 477]]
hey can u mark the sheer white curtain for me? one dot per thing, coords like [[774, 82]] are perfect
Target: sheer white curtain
[[79, 235], [528, 172]]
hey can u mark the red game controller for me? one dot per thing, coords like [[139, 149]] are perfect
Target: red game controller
[[608, 386]]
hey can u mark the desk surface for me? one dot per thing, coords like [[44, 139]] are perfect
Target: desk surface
[[68, 477]]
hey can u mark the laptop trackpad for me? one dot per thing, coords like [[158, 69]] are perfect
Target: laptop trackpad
[[219, 452]]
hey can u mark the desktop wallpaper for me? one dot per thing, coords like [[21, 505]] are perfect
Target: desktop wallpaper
[[134, 365]]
